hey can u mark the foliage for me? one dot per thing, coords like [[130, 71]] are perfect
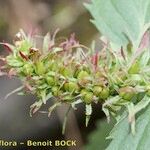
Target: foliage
[[121, 21], [124, 23], [128, 141]]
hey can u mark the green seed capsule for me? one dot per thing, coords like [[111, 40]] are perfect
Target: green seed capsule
[[66, 86], [71, 86], [87, 96], [82, 75], [104, 93], [127, 93], [50, 80], [55, 91], [66, 72], [83, 92], [83, 78], [97, 90]]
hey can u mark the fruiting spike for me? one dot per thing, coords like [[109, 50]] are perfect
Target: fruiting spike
[[72, 75]]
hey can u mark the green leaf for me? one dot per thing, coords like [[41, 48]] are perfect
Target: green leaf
[[97, 139], [123, 139], [121, 21], [25, 46], [14, 61]]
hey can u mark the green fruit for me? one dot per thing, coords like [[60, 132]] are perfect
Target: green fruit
[[71, 86], [87, 96], [82, 75], [66, 86], [135, 68], [40, 68], [127, 93], [97, 90], [83, 92], [104, 93], [66, 72], [55, 91], [50, 80]]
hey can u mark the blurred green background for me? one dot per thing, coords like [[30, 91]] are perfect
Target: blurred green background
[[43, 15]]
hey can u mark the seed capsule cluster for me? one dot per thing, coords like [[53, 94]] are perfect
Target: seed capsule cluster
[[69, 72]]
